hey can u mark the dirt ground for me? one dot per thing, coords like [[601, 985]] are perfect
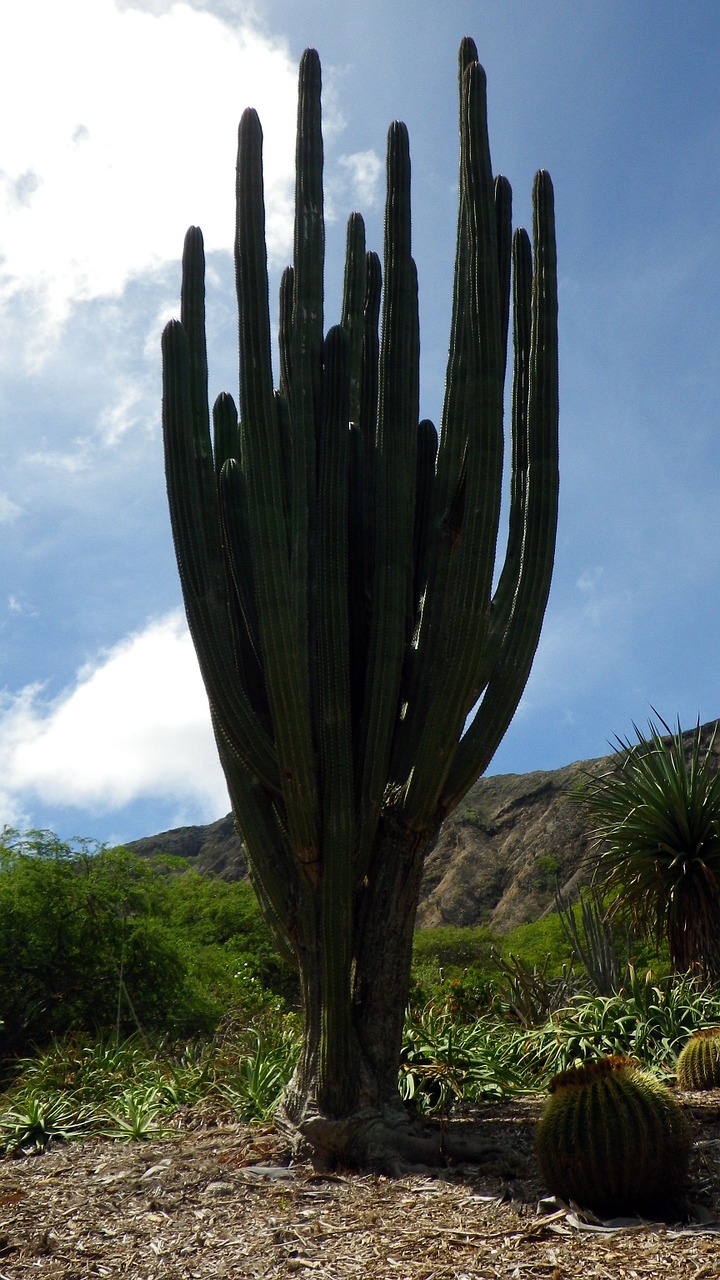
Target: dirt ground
[[219, 1200]]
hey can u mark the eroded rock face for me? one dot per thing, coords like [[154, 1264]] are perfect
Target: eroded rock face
[[215, 848], [499, 856]]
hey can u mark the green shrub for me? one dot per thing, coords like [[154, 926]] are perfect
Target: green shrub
[[93, 939]]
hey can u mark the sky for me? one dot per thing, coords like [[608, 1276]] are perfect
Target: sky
[[119, 132]]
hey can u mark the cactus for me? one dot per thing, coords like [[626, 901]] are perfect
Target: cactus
[[337, 562], [699, 1063], [614, 1140]]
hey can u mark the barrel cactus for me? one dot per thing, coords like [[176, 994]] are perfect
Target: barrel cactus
[[699, 1063], [614, 1140]]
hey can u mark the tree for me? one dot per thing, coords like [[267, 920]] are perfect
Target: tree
[[84, 945], [337, 567], [656, 821]]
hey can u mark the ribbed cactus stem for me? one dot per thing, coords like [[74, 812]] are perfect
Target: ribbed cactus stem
[[337, 561], [614, 1140], [283, 630], [699, 1062]]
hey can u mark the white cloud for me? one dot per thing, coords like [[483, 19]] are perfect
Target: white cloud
[[364, 170], [121, 416], [124, 127], [9, 510], [134, 725]]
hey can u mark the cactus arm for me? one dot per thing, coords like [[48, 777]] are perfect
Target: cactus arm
[[353, 307], [353, 321], [226, 439], [457, 606], [503, 223], [522, 633], [365, 456], [241, 587], [427, 447], [270, 861], [192, 318], [285, 311], [505, 594], [306, 331], [394, 483], [195, 525], [371, 350], [282, 631], [332, 643]]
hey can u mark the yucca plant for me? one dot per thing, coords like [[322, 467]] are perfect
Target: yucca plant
[[32, 1120], [656, 823], [362, 654]]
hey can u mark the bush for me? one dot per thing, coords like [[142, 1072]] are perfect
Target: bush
[[93, 939]]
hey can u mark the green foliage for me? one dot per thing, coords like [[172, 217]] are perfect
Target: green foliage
[[656, 816], [445, 1061], [538, 943], [452, 1056], [649, 1020], [528, 996], [139, 1088], [613, 1139], [594, 940], [93, 939]]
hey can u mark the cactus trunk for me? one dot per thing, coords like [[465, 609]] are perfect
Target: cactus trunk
[[337, 560]]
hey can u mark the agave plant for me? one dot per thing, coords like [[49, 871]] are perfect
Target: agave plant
[[656, 816]]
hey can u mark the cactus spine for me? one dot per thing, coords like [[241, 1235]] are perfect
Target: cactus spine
[[614, 1140], [337, 560], [699, 1063]]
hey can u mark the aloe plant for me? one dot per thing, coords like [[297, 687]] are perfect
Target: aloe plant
[[362, 656]]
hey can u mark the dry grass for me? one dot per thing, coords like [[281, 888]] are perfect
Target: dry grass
[[219, 1201]]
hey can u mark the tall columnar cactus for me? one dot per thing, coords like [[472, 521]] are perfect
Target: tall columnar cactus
[[338, 567], [614, 1140], [699, 1063]]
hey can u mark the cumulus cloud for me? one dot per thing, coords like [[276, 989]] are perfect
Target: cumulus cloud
[[134, 725], [363, 170], [125, 134]]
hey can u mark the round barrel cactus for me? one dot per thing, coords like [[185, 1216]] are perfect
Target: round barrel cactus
[[614, 1140], [699, 1063]]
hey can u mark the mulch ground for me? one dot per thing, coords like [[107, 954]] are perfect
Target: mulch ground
[[220, 1200]]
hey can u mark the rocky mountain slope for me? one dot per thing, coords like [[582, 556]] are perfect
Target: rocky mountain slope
[[495, 862]]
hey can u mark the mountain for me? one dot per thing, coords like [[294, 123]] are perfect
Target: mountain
[[497, 858]]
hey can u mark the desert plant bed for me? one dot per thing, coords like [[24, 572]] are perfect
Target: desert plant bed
[[219, 1199]]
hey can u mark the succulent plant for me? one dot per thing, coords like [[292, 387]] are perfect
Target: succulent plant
[[613, 1139], [362, 649], [699, 1063]]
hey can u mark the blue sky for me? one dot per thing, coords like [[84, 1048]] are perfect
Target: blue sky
[[120, 123]]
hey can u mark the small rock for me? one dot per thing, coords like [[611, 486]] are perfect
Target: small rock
[[218, 1190]]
